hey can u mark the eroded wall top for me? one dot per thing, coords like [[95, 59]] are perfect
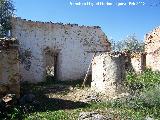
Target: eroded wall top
[[152, 40], [65, 29], [153, 35]]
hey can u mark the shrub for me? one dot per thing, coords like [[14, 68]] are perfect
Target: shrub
[[146, 104], [146, 79], [151, 96]]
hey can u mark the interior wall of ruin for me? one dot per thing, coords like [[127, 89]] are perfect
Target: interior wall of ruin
[[70, 41]]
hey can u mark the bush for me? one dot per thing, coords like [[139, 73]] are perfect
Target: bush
[[146, 104], [151, 96], [144, 80]]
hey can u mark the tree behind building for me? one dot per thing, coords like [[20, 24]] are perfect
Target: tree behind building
[[6, 12]]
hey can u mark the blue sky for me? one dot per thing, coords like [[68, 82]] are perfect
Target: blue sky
[[116, 21]]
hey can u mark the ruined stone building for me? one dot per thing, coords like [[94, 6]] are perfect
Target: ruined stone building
[[64, 51]]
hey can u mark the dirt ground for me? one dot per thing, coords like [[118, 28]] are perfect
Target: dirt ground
[[65, 91]]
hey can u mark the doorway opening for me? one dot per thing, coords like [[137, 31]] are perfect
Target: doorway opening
[[50, 63]]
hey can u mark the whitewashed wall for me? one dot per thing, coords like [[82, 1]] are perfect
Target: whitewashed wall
[[70, 41]]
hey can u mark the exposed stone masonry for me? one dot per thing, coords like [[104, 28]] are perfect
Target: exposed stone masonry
[[152, 49], [9, 67], [108, 72]]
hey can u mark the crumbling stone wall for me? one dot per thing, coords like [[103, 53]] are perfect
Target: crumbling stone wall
[[71, 43], [9, 68], [152, 49], [108, 72]]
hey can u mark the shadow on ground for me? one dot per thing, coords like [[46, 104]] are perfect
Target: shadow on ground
[[53, 104], [43, 103]]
